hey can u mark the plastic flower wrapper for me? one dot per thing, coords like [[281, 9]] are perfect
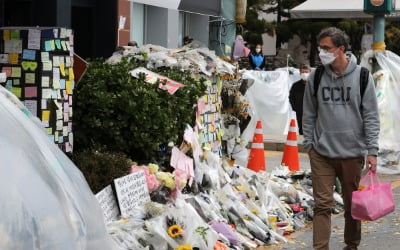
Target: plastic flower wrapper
[[226, 230], [152, 182], [206, 176], [129, 233], [180, 179]]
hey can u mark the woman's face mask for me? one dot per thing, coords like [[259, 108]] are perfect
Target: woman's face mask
[[304, 76], [258, 50], [326, 57]]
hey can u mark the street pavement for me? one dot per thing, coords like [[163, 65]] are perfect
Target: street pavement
[[381, 234]]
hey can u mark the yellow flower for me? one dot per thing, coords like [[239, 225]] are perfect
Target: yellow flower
[[184, 247], [153, 168], [170, 183], [162, 176], [254, 211], [175, 231]]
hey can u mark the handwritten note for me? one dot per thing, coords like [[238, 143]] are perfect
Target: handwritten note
[[34, 39], [13, 46], [13, 58], [6, 34], [108, 204], [45, 115], [46, 93], [31, 105], [132, 193], [16, 91], [45, 56], [30, 78], [16, 72], [7, 70], [45, 81], [15, 35], [3, 58]]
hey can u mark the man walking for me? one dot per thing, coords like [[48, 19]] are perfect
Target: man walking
[[340, 127]]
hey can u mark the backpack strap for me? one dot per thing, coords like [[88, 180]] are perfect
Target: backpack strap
[[364, 77], [317, 78]]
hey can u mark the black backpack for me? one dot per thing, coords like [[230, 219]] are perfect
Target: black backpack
[[364, 77]]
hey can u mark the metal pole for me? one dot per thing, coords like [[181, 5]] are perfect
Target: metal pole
[[379, 38]]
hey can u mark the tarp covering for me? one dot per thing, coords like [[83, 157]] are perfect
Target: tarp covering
[[269, 101], [334, 9], [45, 202], [205, 7]]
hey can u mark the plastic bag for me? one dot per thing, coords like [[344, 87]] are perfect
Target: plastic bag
[[374, 201], [46, 202]]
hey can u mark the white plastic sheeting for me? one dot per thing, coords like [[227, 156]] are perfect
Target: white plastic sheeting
[[45, 202], [269, 102], [388, 95]]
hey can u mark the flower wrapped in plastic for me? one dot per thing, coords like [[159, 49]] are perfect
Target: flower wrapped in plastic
[[151, 179]]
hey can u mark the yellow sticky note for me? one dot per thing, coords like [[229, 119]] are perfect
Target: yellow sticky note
[[16, 92], [16, 72], [71, 74], [45, 115], [30, 78], [13, 58], [49, 131], [52, 45], [62, 70], [68, 87], [6, 35]]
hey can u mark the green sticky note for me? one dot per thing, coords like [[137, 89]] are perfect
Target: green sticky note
[[16, 91], [14, 35], [58, 44]]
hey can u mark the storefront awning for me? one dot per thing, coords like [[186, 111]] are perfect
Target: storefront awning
[[204, 7], [334, 9]]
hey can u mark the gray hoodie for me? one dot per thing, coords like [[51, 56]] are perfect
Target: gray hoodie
[[335, 122]]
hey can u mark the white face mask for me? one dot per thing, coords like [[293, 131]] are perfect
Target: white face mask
[[326, 57], [304, 76], [258, 50]]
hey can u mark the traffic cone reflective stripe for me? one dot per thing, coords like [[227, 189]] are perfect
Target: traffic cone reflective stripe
[[291, 154], [256, 158]]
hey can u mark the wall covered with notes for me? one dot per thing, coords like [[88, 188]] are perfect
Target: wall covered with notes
[[209, 116], [38, 63]]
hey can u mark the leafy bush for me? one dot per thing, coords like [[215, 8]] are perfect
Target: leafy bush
[[101, 167], [128, 115]]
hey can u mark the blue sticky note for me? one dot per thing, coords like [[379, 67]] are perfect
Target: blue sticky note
[[53, 94], [29, 54], [47, 45], [60, 139], [51, 137], [62, 83], [9, 85]]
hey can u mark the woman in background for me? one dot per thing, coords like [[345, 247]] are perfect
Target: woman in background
[[257, 59]]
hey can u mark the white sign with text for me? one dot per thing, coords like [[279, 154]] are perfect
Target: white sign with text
[[108, 204], [132, 193]]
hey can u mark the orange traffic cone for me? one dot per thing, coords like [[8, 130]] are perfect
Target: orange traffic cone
[[256, 158], [291, 154]]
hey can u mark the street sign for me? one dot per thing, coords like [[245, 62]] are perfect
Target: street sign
[[379, 6]]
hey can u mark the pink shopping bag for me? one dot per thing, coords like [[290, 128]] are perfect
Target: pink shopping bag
[[373, 202]]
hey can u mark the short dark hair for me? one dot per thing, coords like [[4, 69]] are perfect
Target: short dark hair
[[304, 66], [338, 36]]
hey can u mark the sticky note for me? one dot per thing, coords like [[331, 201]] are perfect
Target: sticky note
[[29, 54], [53, 45], [44, 103], [9, 85], [58, 44], [49, 131], [62, 69], [47, 46], [30, 78], [45, 56], [63, 45], [71, 74], [16, 91], [3, 58], [47, 66], [69, 88], [13, 58], [56, 61], [14, 35], [7, 70], [16, 82], [46, 93], [30, 92], [45, 115], [62, 84], [6, 35], [16, 72], [13, 46], [45, 81]]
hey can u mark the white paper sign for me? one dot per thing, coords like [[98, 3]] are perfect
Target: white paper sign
[[108, 204], [34, 39], [132, 193]]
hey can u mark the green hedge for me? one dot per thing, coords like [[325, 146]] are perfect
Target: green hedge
[[128, 115]]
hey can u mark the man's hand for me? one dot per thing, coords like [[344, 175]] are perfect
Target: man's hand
[[372, 162]]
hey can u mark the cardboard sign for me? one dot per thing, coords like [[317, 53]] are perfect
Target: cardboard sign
[[108, 204], [132, 193]]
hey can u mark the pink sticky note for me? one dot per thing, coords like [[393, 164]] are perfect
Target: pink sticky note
[[70, 100], [30, 92], [7, 70], [66, 117]]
